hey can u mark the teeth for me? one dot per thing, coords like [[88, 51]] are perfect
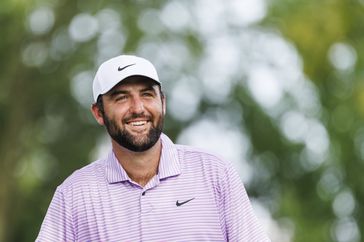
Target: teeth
[[138, 123]]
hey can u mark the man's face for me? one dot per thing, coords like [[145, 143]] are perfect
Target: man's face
[[134, 113]]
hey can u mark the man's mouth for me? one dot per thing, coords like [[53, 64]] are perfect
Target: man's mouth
[[138, 123]]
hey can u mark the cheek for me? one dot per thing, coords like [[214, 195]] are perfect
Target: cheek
[[158, 109], [115, 113]]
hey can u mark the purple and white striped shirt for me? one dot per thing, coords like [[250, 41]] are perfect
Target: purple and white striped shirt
[[195, 196]]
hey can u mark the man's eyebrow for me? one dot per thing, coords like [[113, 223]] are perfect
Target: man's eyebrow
[[148, 88], [114, 93]]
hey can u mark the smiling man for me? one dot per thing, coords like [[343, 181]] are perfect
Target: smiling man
[[147, 188]]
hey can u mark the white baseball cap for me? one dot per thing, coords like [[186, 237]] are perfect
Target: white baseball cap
[[113, 71]]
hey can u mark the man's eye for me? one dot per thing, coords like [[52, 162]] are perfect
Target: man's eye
[[147, 94], [120, 97]]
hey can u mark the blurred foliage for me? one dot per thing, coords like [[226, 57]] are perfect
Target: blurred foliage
[[313, 27], [46, 133]]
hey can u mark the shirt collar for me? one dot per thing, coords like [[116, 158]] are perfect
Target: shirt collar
[[114, 171], [169, 164]]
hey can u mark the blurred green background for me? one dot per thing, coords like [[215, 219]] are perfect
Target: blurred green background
[[275, 86]]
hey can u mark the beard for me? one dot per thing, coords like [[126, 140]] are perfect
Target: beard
[[125, 139]]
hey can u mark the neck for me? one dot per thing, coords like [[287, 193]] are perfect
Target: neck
[[140, 166]]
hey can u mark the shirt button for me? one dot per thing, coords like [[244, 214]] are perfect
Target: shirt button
[[143, 193]]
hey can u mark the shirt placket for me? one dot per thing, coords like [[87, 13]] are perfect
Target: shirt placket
[[146, 205]]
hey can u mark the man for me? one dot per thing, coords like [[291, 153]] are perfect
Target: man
[[147, 188]]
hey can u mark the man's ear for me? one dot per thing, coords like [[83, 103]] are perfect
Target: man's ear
[[97, 113], [164, 104]]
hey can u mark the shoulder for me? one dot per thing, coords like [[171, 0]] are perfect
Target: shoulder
[[201, 161], [84, 176], [210, 168], [190, 153]]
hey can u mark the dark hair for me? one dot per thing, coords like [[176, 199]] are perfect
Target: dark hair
[[100, 105], [160, 91]]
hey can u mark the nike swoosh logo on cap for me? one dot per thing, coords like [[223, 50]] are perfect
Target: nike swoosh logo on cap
[[122, 68]]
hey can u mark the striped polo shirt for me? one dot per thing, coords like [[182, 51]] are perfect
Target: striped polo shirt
[[195, 196]]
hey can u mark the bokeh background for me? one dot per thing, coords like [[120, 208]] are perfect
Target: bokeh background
[[275, 86]]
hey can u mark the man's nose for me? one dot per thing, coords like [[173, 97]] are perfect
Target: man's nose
[[137, 105]]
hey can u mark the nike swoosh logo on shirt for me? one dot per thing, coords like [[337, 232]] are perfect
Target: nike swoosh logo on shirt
[[181, 203]]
